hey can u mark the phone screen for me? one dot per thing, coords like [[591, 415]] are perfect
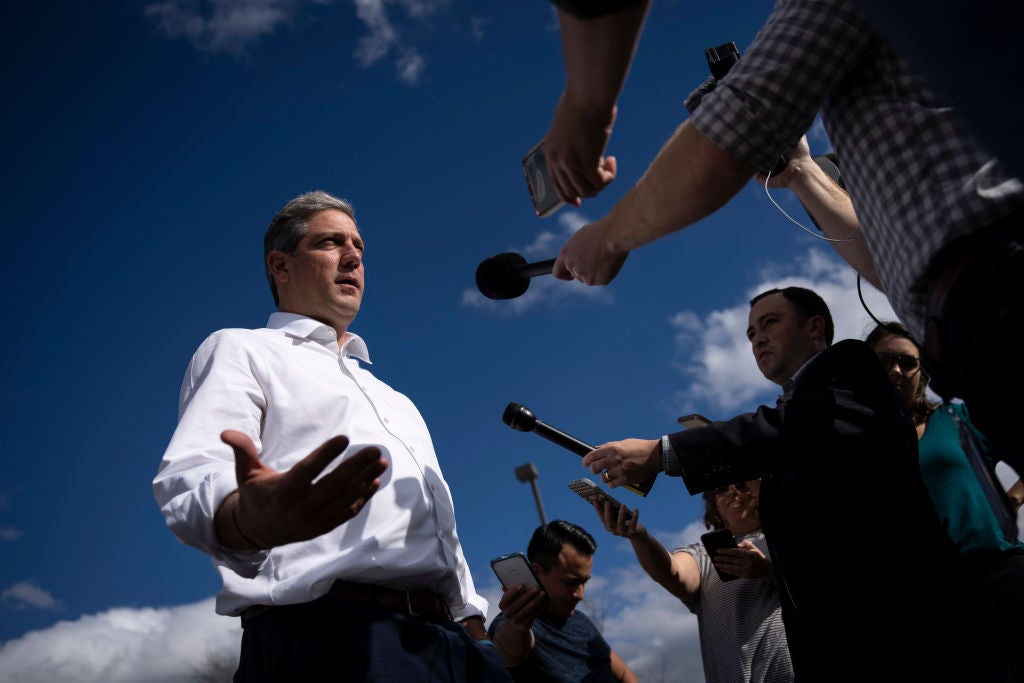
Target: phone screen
[[542, 191]]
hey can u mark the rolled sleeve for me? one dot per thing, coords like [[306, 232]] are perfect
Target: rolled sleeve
[[770, 97]]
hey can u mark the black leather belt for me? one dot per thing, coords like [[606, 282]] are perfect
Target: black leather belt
[[425, 604]]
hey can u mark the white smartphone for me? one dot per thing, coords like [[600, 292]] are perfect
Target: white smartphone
[[591, 492], [542, 191], [514, 569]]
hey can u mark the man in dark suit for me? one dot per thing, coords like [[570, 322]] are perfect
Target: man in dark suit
[[848, 522]]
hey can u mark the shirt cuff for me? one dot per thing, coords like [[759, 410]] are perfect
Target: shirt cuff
[[670, 459]]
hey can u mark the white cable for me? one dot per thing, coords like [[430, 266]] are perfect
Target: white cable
[[812, 233]]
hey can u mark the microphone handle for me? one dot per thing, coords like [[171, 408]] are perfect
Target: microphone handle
[[580, 448], [538, 268]]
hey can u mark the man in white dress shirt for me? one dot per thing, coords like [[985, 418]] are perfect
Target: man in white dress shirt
[[314, 486]]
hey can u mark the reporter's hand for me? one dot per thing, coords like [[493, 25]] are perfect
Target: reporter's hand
[[621, 522], [625, 462], [276, 508], [574, 148], [521, 605], [796, 158], [590, 256]]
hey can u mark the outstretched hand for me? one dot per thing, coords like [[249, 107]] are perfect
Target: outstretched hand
[[574, 148], [590, 256], [625, 462], [275, 508], [620, 521]]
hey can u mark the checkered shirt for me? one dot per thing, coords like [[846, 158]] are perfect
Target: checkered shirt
[[916, 178]]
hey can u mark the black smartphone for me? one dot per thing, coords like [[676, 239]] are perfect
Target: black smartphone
[[514, 569], [714, 541], [542, 191]]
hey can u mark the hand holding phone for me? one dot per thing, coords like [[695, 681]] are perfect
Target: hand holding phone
[[713, 542], [592, 493], [514, 569]]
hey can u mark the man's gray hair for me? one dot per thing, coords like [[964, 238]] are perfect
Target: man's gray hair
[[292, 222]]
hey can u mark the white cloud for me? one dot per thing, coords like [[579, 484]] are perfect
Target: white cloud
[[123, 646], [234, 26], [9, 533], [27, 594], [216, 26], [714, 354]]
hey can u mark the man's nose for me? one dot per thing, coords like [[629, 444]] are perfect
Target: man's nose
[[351, 258]]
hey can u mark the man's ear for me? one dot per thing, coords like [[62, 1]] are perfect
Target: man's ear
[[277, 264], [816, 323]]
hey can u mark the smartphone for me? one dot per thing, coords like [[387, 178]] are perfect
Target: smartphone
[[714, 541], [542, 191], [693, 420], [591, 492], [514, 569]]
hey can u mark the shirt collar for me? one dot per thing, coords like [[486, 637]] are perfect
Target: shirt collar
[[307, 328], [790, 384]]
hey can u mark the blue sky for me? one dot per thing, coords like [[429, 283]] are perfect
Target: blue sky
[[148, 145]]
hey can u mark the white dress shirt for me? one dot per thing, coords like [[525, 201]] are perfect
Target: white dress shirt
[[289, 388]]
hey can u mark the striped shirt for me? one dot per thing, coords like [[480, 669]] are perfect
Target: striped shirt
[[742, 637], [917, 180]]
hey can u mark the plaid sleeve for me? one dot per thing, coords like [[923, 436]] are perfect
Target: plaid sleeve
[[771, 96]]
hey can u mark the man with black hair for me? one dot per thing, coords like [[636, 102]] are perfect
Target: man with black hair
[[550, 640], [845, 512]]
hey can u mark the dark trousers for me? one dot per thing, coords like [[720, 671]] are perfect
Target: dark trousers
[[339, 641], [977, 339], [1001, 590]]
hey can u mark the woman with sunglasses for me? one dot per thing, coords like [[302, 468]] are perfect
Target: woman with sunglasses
[[742, 638], [994, 556]]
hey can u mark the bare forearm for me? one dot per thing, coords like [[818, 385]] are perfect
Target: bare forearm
[[659, 564], [690, 179], [1016, 494], [834, 214], [597, 54]]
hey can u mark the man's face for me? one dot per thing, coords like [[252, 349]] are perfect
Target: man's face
[[565, 581], [324, 278], [781, 342]]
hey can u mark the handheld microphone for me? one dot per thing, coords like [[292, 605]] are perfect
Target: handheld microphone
[[517, 416], [507, 275]]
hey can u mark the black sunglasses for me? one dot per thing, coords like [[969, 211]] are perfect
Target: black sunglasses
[[739, 486], [906, 362]]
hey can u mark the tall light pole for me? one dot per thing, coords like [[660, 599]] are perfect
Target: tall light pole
[[528, 473]]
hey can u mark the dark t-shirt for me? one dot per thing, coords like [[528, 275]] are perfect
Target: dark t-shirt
[[566, 651]]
